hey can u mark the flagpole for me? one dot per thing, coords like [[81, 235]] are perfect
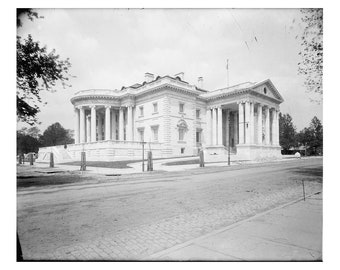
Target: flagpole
[[227, 72]]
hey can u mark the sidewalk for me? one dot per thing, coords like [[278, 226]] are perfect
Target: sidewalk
[[292, 232]]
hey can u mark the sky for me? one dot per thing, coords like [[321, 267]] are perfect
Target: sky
[[111, 48]]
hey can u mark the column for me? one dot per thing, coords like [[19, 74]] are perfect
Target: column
[[100, 127], [227, 122], [208, 128], [93, 124], [219, 126], [113, 125], [82, 125], [248, 124], [107, 122], [277, 127], [273, 126], [121, 124], [235, 129], [252, 124], [88, 128], [214, 111], [267, 132], [259, 124], [76, 126], [241, 123], [129, 124]]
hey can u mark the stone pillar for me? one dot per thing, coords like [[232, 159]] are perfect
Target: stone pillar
[[267, 126], [248, 124], [278, 127], [88, 128], [121, 124], [100, 127], [93, 124], [259, 124], [252, 123], [241, 123], [208, 128], [235, 129], [273, 128], [107, 123], [76, 126], [129, 124], [219, 126], [82, 125], [227, 128], [113, 125], [214, 136]]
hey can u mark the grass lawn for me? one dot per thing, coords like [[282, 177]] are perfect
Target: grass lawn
[[122, 164], [183, 162], [50, 180]]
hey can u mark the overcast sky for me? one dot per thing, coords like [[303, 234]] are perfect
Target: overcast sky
[[111, 48]]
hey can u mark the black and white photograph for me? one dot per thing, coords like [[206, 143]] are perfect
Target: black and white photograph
[[169, 134]]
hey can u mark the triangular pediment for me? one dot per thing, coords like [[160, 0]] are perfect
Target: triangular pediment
[[267, 88]]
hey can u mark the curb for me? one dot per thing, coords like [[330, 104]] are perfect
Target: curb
[[187, 243]]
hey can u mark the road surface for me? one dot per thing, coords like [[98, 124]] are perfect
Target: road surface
[[131, 219]]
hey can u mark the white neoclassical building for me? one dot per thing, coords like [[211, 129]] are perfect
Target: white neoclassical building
[[175, 118]]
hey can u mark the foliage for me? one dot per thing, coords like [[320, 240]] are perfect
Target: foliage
[[287, 131], [311, 65], [28, 12], [28, 140], [312, 137], [37, 70], [55, 134]]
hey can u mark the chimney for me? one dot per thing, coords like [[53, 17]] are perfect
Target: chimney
[[180, 75], [200, 82], [149, 77]]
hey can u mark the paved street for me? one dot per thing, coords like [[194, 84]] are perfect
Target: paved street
[[131, 219]]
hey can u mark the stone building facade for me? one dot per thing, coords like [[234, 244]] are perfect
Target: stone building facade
[[175, 118]]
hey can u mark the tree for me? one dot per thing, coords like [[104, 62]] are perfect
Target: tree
[[55, 134], [312, 137], [287, 131], [311, 65], [37, 70], [28, 140]]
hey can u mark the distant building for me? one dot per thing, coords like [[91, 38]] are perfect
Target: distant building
[[175, 118]]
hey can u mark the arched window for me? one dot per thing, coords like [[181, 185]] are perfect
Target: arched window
[[182, 128]]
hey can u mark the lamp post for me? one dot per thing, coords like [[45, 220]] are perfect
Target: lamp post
[[143, 143]]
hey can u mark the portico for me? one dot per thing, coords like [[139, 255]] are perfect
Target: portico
[[102, 123]]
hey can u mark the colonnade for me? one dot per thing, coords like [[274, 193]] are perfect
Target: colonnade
[[215, 125], [258, 124], [254, 123], [96, 123]]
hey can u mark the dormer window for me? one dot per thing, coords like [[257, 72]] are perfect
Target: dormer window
[[265, 90]]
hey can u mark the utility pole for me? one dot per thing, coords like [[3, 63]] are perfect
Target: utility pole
[[143, 143]]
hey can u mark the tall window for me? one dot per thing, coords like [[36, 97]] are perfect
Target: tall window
[[181, 107], [141, 135], [141, 111], [155, 133], [198, 136], [181, 134], [155, 107], [198, 113]]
